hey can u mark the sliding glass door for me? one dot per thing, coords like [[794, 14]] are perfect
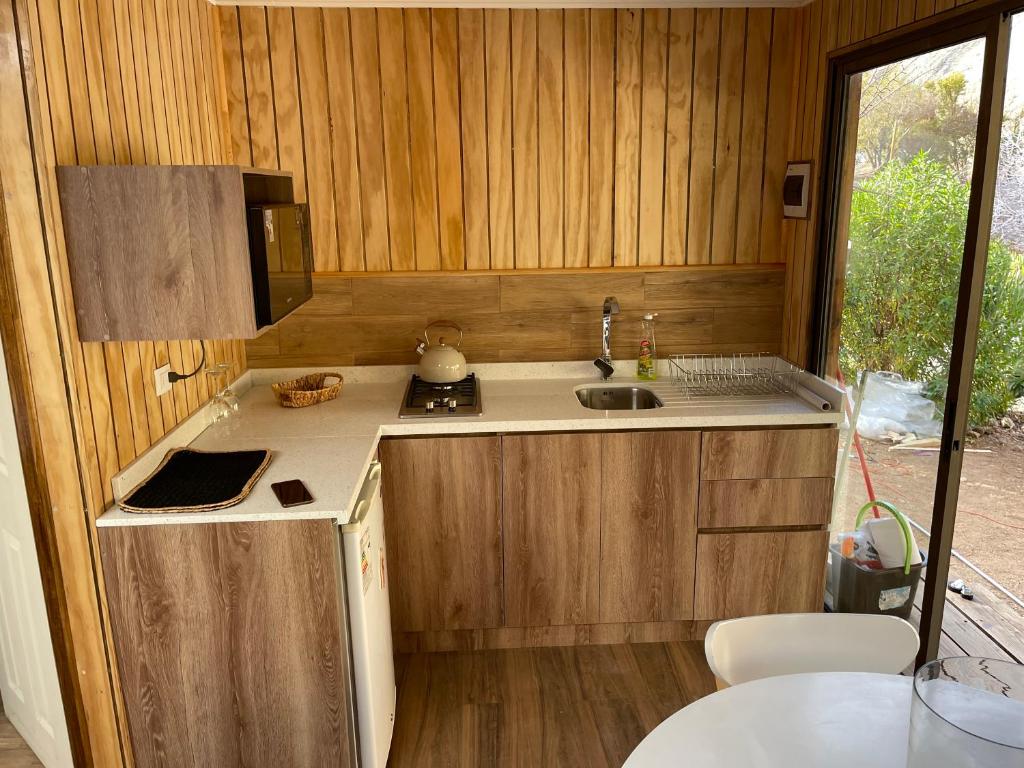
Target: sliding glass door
[[904, 309]]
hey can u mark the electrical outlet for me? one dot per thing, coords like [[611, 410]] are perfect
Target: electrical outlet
[[163, 379]]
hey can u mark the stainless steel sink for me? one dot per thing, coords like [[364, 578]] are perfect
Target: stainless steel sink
[[617, 398]]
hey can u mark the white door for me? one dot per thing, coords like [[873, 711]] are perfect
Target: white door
[[28, 675]]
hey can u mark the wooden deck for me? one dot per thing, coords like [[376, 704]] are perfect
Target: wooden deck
[[989, 625]]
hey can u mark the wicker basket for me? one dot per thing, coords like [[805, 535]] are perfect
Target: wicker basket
[[308, 390]]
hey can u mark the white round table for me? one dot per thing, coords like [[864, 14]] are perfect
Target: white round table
[[833, 719]]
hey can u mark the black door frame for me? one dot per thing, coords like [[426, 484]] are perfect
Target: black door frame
[[989, 21]]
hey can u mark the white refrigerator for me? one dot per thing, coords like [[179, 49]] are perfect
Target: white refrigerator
[[366, 578]]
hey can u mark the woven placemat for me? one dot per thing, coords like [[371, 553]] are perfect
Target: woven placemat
[[188, 480]]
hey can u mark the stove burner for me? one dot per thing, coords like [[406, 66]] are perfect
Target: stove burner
[[425, 398]]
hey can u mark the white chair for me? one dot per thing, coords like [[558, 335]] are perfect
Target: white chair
[[740, 650]]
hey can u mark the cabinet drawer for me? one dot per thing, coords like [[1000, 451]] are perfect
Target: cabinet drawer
[[765, 503], [748, 574], [768, 453]]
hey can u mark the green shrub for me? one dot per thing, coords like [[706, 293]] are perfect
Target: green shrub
[[907, 230]]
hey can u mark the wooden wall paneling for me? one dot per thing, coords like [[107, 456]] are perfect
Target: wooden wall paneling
[[577, 138], [872, 18], [648, 525], [473, 96], [89, 123], [628, 110], [602, 135], [41, 304], [817, 27], [156, 33], [194, 80], [728, 126], [753, 134], [285, 81], [889, 18], [116, 30], [258, 86], [370, 137], [925, 8], [785, 31], [652, 136], [395, 110], [524, 138], [168, 19], [234, 77], [905, 13], [551, 510], [154, 135], [677, 135], [498, 62], [444, 33], [702, 135], [345, 153], [210, 58], [550, 136], [120, 81], [98, 24], [517, 316], [858, 18], [612, 130], [316, 136], [424, 137]]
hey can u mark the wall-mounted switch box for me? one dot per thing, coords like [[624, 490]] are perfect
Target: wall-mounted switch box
[[163, 379]]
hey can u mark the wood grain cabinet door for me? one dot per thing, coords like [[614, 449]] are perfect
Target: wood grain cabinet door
[[752, 573], [552, 524], [231, 643], [649, 525], [442, 519], [769, 453]]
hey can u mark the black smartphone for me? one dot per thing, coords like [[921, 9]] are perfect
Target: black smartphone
[[291, 493]]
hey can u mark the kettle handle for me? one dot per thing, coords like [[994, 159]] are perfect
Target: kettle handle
[[443, 324]]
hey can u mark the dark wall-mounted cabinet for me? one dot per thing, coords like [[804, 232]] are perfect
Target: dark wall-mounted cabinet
[[162, 252]]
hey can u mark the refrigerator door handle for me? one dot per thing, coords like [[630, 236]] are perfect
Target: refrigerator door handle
[[370, 488]]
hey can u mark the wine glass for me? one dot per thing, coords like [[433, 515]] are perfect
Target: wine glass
[[225, 403]]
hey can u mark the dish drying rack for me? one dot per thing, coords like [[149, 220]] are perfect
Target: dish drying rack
[[731, 375]]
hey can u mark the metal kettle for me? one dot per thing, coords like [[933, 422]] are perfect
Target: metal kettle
[[441, 363]]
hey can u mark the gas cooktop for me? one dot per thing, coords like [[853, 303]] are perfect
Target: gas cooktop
[[425, 399]]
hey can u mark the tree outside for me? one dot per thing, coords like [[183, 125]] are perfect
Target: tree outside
[[908, 218]]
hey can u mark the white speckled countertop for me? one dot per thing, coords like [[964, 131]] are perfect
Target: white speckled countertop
[[330, 446]]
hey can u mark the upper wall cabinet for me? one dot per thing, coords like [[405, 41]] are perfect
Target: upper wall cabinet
[[162, 252]]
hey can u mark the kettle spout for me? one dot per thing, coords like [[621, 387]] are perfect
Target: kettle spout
[[421, 346]]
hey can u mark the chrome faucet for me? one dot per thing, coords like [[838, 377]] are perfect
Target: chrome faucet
[[604, 362]]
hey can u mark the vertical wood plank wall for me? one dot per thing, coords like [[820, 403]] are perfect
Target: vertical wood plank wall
[[129, 82], [822, 27], [443, 139], [98, 82]]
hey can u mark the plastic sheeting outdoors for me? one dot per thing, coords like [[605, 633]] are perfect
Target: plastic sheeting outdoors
[[894, 407]]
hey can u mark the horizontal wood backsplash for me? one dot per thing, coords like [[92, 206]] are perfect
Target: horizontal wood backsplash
[[524, 316], [443, 139]]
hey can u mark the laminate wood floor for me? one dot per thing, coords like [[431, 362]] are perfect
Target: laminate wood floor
[[14, 753], [538, 707]]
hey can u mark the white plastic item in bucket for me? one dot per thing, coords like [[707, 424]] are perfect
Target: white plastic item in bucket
[[889, 541]]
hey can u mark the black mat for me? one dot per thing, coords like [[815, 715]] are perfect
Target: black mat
[[196, 481]]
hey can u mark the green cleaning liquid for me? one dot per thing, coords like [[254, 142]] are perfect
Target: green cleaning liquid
[[647, 358]]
